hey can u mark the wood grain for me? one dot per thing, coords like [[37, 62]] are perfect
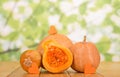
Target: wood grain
[[13, 69], [109, 69], [69, 73], [73, 73], [7, 67], [45, 73]]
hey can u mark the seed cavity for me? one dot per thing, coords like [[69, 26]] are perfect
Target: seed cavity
[[56, 56]]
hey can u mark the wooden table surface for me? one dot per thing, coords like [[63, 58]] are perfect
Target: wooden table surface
[[13, 69]]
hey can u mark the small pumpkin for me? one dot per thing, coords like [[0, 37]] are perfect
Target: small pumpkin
[[56, 58], [30, 61], [86, 57], [60, 38]]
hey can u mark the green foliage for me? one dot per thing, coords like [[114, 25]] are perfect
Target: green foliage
[[83, 8], [13, 23], [116, 29], [101, 3], [108, 21], [34, 27], [108, 57], [68, 19], [1, 48], [12, 36], [116, 5], [13, 55], [104, 44], [83, 23]]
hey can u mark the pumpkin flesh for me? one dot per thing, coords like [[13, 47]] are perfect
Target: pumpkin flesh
[[56, 58]]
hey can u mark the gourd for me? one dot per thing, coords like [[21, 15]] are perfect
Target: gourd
[[56, 58], [30, 61], [60, 38], [86, 57]]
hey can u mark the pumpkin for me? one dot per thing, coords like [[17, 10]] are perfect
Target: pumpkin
[[86, 57], [62, 39], [30, 61], [56, 58]]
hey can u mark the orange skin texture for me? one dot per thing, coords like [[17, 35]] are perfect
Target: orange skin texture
[[34, 57], [61, 39], [84, 53], [56, 58]]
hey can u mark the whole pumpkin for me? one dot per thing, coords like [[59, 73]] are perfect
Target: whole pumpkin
[[84, 53], [28, 58], [60, 38]]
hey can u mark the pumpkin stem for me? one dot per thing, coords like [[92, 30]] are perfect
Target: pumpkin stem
[[84, 39], [52, 30]]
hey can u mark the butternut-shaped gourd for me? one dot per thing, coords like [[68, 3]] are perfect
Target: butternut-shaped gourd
[[86, 57], [56, 58]]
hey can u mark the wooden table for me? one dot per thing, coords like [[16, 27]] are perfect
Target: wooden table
[[13, 69]]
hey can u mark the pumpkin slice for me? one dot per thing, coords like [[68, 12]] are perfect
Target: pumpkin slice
[[33, 69], [56, 58], [89, 69]]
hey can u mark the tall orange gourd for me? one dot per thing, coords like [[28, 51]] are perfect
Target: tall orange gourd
[[86, 57]]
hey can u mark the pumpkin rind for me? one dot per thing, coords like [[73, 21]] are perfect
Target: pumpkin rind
[[65, 54]]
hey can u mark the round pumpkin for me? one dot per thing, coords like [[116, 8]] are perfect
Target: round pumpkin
[[28, 58], [84, 54], [60, 38], [56, 58]]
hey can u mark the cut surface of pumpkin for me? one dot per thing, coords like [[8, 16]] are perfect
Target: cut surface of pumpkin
[[56, 58]]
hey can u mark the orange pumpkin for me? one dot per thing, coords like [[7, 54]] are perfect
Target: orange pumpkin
[[62, 39], [85, 57], [56, 58], [30, 61]]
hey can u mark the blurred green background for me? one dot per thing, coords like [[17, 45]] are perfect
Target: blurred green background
[[24, 23]]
